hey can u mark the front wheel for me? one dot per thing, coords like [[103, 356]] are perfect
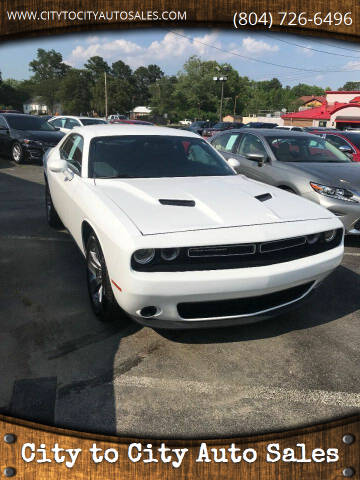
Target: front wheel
[[17, 153], [51, 213], [101, 295]]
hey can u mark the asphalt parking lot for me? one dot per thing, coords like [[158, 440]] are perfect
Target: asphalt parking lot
[[59, 365]]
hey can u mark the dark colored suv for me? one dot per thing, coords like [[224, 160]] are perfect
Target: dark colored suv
[[26, 137]]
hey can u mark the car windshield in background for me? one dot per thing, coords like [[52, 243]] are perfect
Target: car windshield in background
[[305, 149], [20, 122], [144, 156], [220, 125], [91, 121]]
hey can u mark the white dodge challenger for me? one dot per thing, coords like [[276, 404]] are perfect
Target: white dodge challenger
[[174, 238]]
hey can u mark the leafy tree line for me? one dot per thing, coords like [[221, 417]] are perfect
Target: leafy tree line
[[192, 93]]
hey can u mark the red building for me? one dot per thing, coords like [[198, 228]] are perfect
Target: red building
[[340, 110]]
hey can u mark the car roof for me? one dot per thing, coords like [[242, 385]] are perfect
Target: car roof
[[266, 132], [75, 117], [109, 130]]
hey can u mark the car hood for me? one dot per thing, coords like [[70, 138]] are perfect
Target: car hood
[[39, 135], [218, 202], [343, 175]]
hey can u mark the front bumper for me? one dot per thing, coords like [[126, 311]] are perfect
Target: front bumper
[[35, 152], [166, 290], [348, 213]]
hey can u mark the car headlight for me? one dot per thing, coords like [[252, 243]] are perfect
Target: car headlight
[[329, 235], [145, 255], [311, 239], [334, 192], [169, 254], [34, 143]]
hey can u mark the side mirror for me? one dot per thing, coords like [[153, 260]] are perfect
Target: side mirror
[[346, 149], [234, 163], [257, 157], [57, 165]]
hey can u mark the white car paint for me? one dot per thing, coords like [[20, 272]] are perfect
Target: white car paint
[[126, 215], [76, 121]]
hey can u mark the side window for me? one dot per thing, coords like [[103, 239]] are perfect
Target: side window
[[337, 141], [72, 151], [225, 143], [250, 144], [58, 122], [71, 123], [3, 122]]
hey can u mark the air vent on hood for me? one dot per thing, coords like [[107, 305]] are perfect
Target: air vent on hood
[[263, 197], [177, 203]]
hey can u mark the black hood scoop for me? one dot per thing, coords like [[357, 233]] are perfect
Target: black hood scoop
[[263, 197], [177, 203]]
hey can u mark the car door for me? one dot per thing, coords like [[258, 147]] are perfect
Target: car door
[[251, 143], [64, 185], [71, 123], [5, 138], [59, 123]]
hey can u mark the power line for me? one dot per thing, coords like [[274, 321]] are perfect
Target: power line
[[315, 49], [258, 60]]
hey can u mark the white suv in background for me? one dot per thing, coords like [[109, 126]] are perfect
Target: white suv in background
[[67, 123]]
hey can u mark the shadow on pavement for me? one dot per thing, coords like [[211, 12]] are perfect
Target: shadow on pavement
[[322, 307], [56, 358]]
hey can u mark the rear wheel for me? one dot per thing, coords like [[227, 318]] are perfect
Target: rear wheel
[[101, 295], [51, 213]]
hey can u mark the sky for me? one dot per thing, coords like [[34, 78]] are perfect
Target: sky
[[260, 56]]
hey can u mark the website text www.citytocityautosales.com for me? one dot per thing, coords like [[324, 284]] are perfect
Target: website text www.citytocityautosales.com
[[97, 15]]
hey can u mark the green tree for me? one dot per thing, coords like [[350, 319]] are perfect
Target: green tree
[[74, 92], [49, 69]]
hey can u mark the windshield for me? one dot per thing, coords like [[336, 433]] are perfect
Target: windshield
[[29, 123], [91, 121], [156, 156], [305, 149], [220, 125]]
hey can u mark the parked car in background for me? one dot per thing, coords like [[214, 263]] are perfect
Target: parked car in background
[[199, 125], [26, 137], [317, 129], [220, 127], [117, 116], [347, 141], [300, 163], [174, 238], [185, 122], [291, 128], [67, 122], [260, 125], [130, 122]]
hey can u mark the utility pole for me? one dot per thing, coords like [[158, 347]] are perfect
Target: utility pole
[[106, 98], [221, 79]]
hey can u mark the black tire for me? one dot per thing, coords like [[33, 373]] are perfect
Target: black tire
[[17, 153], [52, 217], [101, 295]]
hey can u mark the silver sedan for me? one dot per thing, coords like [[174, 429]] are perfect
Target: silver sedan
[[298, 162]]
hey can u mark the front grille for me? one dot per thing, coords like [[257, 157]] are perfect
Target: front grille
[[243, 255], [242, 306]]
